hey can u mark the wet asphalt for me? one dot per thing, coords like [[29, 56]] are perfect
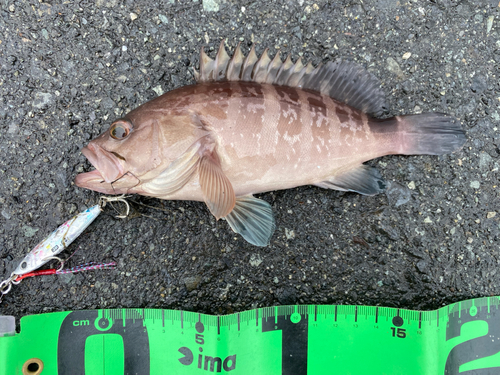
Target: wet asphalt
[[68, 70]]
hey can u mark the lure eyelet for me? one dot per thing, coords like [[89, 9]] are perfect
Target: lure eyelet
[[120, 129]]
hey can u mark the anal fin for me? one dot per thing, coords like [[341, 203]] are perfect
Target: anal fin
[[253, 219], [363, 180]]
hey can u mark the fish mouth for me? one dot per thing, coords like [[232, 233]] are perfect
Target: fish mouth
[[107, 167]]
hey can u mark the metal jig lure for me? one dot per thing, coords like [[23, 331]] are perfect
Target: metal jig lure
[[56, 242]]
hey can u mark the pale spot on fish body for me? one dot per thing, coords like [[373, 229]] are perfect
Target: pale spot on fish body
[[345, 125], [346, 140], [286, 96], [276, 137], [290, 112], [252, 107], [254, 92], [291, 140], [258, 136], [319, 121]]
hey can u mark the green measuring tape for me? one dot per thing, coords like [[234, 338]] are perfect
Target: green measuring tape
[[462, 338]]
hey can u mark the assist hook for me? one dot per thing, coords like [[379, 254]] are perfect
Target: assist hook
[[121, 198]]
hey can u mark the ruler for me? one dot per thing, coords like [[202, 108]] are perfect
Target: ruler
[[461, 338]]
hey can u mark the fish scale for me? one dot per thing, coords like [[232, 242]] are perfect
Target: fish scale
[[252, 125]]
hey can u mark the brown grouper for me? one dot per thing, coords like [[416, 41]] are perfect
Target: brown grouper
[[251, 125]]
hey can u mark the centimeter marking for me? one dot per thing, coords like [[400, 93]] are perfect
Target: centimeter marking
[[318, 312]]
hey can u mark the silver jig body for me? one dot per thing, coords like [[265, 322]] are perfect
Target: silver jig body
[[57, 241]]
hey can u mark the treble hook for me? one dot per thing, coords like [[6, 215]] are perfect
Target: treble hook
[[104, 200]]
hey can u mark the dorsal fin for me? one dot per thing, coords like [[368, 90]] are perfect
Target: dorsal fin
[[342, 80]]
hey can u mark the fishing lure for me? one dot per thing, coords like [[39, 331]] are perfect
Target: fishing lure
[[56, 242]]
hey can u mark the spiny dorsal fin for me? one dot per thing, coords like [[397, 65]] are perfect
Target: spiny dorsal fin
[[344, 81], [234, 66]]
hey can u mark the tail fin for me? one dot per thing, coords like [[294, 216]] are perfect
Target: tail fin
[[424, 134]]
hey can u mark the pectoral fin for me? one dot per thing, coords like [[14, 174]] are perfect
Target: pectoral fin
[[363, 180], [216, 187], [253, 219]]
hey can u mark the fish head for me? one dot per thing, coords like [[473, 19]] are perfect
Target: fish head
[[121, 156], [138, 147]]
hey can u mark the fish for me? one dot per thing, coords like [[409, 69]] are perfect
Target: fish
[[253, 124]]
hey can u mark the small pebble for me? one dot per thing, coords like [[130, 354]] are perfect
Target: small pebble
[[475, 184], [29, 231], [6, 215], [255, 260], [489, 24], [158, 90], [394, 68]]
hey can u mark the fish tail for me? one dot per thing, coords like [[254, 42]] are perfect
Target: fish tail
[[423, 134]]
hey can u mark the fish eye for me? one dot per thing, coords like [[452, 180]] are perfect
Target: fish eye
[[120, 129]]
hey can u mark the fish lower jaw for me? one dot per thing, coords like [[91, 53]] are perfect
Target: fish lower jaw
[[93, 180], [92, 177]]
